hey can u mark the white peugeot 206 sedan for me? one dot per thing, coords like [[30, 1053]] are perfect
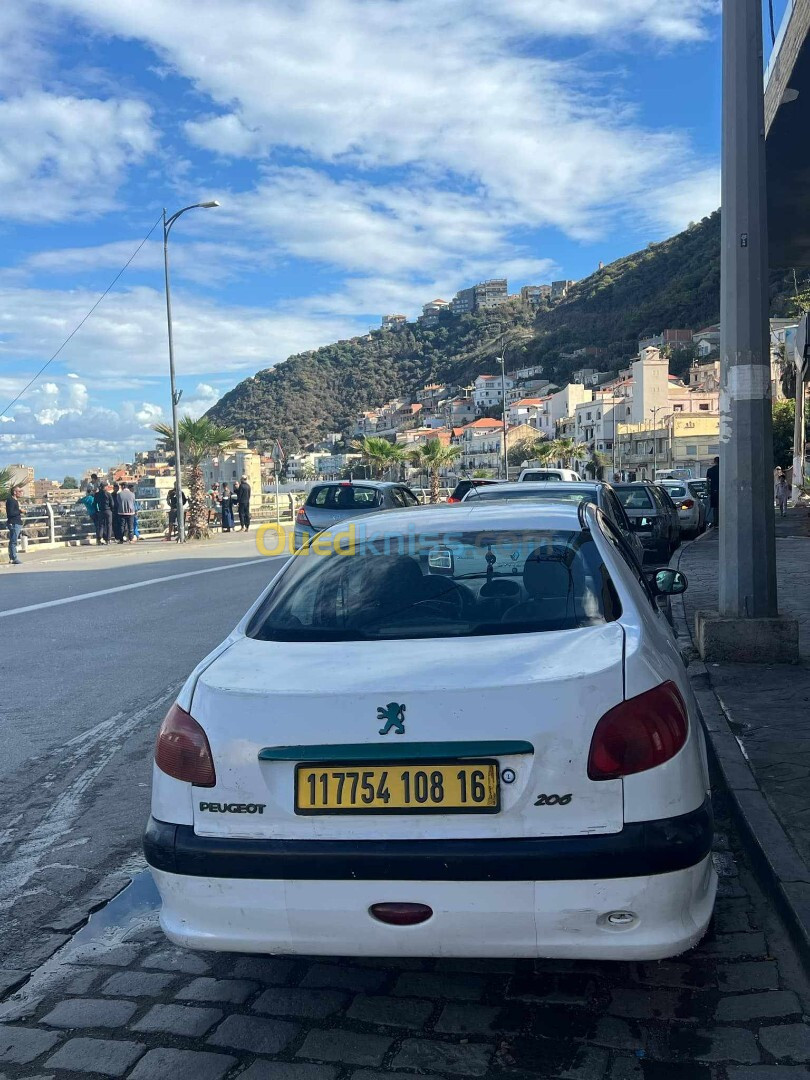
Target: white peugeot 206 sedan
[[449, 731]]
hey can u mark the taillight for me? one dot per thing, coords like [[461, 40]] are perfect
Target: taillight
[[639, 734], [182, 749], [451, 499], [687, 504], [301, 517]]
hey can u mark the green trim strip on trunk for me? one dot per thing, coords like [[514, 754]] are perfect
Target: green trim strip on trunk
[[391, 751]]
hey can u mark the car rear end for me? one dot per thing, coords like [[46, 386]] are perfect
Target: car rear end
[[330, 503], [321, 800], [464, 487], [647, 519], [687, 504]]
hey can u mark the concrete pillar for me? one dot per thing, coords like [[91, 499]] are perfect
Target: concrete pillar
[[747, 550]]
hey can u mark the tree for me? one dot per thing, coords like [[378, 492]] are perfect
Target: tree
[[564, 450], [597, 464], [432, 457], [520, 449], [199, 440], [542, 450], [379, 453], [70, 482], [784, 415], [5, 483]]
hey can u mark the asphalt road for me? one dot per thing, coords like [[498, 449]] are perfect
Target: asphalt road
[[86, 680]]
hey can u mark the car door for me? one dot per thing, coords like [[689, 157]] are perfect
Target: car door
[[617, 514]]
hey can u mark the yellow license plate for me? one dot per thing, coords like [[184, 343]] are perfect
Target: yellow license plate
[[470, 788]]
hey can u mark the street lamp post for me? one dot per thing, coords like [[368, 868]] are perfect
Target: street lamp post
[[178, 472], [502, 359], [655, 410]]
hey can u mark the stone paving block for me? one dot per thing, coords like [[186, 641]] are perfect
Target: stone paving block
[[109, 956], [550, 988], [463, 1019], [631, 1068], [436, 984], [168, 1064], [735, 1045], [106, 1056], [780, 1003], [282, 1070], [90, 1013], [730, 922], [748, 975], [253, 1033], [735, 946], [11, 978], [390, 1012], [674, 974], [468, 1059], [332, 977], [179, 1020], [270, 970], [645, 1004], [309, 1004], [370, 1074], [345, 1047], [20, 1045], [618, 1035], [137, 984], [570, 1063], [768, 1072], [229, 991], [82, 981], [180, 960], [787, 1042]]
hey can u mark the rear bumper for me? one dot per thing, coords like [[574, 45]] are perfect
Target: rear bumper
[[641, 849], [564, 919]]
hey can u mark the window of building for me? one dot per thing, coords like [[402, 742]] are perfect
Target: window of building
[[703, 406], [714, 448], [677, 408], [691, 450]]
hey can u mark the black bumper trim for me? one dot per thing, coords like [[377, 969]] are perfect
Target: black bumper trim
[[639, 850]]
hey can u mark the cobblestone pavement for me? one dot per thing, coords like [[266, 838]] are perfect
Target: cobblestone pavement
[[769, 704], [134, 1006]]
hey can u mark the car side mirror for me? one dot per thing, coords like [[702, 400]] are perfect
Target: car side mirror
[[666, 581]]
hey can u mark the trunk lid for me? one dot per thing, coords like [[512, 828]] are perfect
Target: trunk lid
[[545, 689]]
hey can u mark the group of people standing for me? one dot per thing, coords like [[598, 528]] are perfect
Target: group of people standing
[[113, 510], [221, 502]]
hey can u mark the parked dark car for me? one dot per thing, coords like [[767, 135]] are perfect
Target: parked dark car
[[337, 500], [653, 516], [463, 486]]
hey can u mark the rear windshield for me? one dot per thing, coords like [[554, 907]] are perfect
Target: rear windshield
[[678, 492], [458, 585], [541, 474], [345, 497], [554, 495], [634, 498], [463, 486]]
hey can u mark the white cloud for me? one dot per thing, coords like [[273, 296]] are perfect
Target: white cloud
[[62, 156], [685, 200], [205, 396], [456, 91]]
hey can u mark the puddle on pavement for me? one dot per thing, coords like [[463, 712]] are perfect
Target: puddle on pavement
[[138, 899]]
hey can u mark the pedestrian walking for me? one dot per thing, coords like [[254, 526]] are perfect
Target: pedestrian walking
[[15, 524], [104, 514], [243, 504], [226, 508], [171, 499], [781, 492], [125, 511], [713, 480]]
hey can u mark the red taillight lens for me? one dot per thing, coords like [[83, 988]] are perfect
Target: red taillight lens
[[301, 517], [451, 499], [182, 749], [687, 504], [639, 734]]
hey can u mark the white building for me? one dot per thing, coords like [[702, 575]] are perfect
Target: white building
[[489, 389], [231, 466], [482, 446]]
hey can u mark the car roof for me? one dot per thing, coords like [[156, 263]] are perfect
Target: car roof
[[358, 483], [550, 486], [469, 516]]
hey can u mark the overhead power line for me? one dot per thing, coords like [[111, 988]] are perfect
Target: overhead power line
[[77, 328]]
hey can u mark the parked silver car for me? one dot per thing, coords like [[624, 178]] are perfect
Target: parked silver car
[[337, 500], [653, 517], [691, 508]]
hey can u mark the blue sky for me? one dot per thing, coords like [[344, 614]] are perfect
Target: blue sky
[[368, 156]]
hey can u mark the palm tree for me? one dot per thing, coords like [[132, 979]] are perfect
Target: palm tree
[[598, 463], [432, 457], [5, 483], [564, 450], [542, 450], [379, 453], [199, 439]]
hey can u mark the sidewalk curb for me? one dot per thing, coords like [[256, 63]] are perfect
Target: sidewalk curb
[[773, 854]]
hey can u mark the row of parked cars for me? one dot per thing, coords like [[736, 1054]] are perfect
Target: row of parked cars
[[653, 517], [469, 733]]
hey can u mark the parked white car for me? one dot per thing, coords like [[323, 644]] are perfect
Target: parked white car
[[470, 734], [548, 473], [691, 508]]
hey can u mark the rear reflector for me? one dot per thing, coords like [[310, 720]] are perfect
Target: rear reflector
[[639, 734], [182, 749], [401, 914]]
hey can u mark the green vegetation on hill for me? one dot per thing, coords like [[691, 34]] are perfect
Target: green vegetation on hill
[[675, 283]]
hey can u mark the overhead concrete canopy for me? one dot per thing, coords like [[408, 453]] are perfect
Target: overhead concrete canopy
[[787, 125]]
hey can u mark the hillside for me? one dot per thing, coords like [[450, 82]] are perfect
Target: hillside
[[675, 283]]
